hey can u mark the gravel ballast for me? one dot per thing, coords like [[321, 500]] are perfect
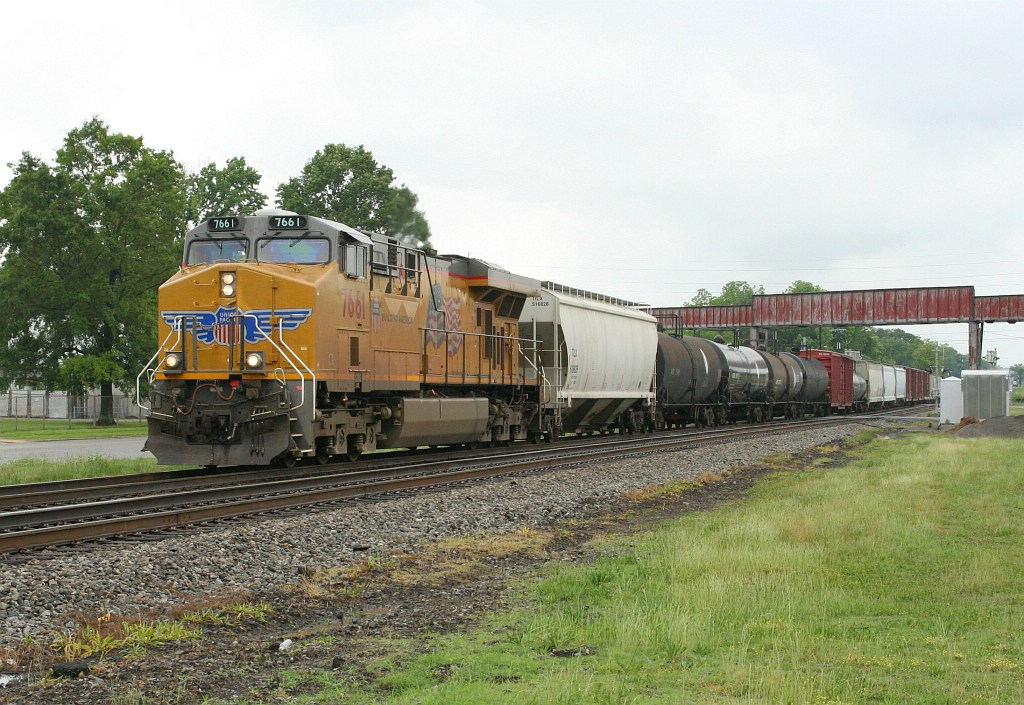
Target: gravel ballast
[[40, 597]]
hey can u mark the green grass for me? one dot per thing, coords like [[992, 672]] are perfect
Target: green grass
[[105, 635], [897, 579], [55, 429], [130, 637], [43, 470]]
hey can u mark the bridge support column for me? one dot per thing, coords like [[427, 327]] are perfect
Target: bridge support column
[[975, 334]]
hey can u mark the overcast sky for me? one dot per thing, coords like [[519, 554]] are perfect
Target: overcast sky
[[640, 149]]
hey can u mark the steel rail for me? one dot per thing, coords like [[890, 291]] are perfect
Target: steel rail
[[51, 526], [30, 495]]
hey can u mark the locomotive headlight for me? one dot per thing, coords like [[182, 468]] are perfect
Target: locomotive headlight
[[173, 362], [254, 361], [227, 284]]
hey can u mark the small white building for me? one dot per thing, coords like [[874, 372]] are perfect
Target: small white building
[[951, 401], [986, 393]]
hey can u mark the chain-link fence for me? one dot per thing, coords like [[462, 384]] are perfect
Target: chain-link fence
[[36, 404]]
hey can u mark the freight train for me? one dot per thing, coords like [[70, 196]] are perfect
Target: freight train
[[707, 383], [286, 336]]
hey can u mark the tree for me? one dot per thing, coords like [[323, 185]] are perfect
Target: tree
[[734, 293], [347, 185], [85, 243], [1017, 372], [233, 190]]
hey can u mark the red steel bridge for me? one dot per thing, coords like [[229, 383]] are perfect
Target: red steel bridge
[[867, 307]]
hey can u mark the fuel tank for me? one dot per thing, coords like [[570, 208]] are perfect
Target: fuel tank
[[815, 378], [747, 372], [794, 377], [689, 370], [778, 379]]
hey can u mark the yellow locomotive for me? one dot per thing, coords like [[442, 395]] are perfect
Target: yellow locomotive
[[287, 336]]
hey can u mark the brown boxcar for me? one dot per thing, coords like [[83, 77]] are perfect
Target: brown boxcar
[[840, 377]]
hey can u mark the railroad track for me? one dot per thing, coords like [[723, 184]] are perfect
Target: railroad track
[[40, 516]]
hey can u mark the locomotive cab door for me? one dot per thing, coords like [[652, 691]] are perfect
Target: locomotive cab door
[[353, 333]]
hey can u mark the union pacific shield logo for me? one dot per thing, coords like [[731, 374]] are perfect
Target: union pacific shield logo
[[227, 325]]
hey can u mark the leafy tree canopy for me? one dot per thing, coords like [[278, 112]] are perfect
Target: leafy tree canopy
[[1017, 372], [802, 287], [735, 293], [231, 190], [85, 242], [347, 185]]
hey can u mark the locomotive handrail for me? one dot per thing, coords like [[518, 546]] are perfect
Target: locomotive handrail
[[312, 375], [469, 334], [285, 355], [146, 367], [539, 370]]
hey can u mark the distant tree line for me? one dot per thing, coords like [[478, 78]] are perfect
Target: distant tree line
[[86, 241], [893, 346]]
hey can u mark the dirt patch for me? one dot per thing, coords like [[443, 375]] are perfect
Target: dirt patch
[[343, 621], [1000, 427]]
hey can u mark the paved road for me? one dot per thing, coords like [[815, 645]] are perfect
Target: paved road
[[118, 447]]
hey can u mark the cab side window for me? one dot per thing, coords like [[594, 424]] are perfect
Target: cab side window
[[354, 261]]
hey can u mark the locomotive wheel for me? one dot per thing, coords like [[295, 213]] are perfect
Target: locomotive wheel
[[323, 454], [354, 446]]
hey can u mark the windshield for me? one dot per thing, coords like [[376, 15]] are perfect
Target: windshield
[[300, 250], [206, 251]]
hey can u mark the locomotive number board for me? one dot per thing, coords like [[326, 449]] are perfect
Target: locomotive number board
[[287, 222]]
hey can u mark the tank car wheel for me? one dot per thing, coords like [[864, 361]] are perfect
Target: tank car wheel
[[353, 453], [285, 460]]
